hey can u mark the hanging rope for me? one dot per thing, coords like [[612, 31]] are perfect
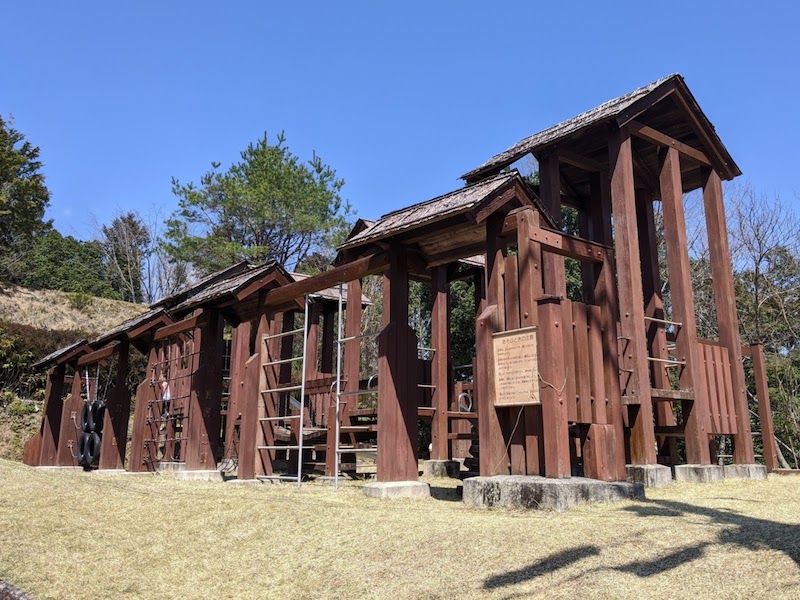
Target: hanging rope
[[511, 437]]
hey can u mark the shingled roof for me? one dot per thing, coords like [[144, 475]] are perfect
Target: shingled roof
[[613, 109], [437, 209], [57, 355]]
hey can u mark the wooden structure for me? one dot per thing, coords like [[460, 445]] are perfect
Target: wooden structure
[[560, 386]]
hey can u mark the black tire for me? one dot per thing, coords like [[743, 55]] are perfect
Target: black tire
[[83, 450], [97, 413], [93, 449], [86, 415]]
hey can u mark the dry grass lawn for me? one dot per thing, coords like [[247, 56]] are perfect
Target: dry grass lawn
[[75, 535], [51, 309]]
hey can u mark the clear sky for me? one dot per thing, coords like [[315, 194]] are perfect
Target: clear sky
[[400, 98]]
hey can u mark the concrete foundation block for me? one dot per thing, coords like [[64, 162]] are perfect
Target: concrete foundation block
[[120, 472], [745, 471], [58, 468], [699, 473], [441, 468], [243, 482], [198, 476], [525, 491], [171, 466], [397, 489], [650, 476]]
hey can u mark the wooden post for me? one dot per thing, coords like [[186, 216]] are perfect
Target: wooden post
[[254, 379], [725, 302], [555, 281], [145, 394], [440, 366], [206, 396], [529, 257], [351, 363], [51, 423], [312, 348], [70, 427], [493, 456], [605, 294], [764, 408], [553, 383], [397, 389], [697, 428], [240, 353], [118, 412], [328, 350], [654, 308], [631, 299]]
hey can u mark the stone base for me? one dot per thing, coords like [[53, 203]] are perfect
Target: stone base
[[699, 473], [441, 468], [745, 471], [650, 476], [171, 466], [397, 489], [243, 482], [525, 491], [117, 472], [58, 468], [198, 476]]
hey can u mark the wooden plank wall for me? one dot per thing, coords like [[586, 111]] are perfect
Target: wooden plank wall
[[719, 387]]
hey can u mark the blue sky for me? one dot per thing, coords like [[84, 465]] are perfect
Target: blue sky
[[400, 98]]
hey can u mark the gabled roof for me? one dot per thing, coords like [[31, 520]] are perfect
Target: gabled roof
[[621, 109], [230, 286], [197, 286], [62, 354], [457, 202], [129, 325]]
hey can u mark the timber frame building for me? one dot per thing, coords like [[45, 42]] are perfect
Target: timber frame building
[[617, 381]]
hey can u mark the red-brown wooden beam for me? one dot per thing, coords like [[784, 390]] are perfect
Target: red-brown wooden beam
[[555, 282], [194, 322], [529, 265], [654, 309], [70, 427], [440, 367], [328, 346], [206, 395], [631, 298], [97, 356], [397, 389], [117, 415], [356, 269], [240, 353], [605, 295], [145, 394], [654, 136], [51, 419], [493, 457], [764, 408], [553, 383], [697, 425], [727, 319]]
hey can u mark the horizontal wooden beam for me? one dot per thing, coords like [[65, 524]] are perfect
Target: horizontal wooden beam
[[562, 244], [180, 327], [161, 321], [654, 136], [356, 269], [582, 162], [97, 355]]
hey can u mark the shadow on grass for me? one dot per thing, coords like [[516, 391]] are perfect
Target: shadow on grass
[[745, 532], [549, 564]]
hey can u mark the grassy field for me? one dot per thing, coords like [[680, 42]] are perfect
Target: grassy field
[[75, 535]]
